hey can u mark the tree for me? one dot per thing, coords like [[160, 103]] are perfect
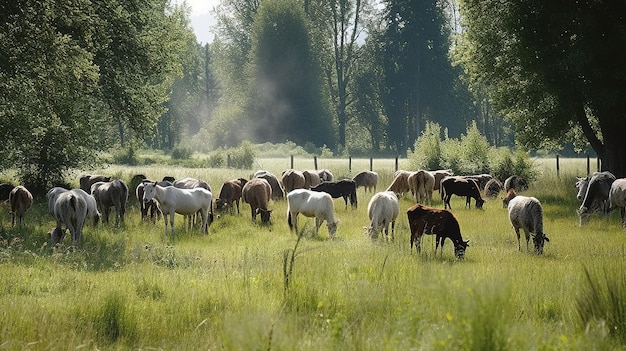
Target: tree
[[552, 67], [341, 23], [286, 101], [69, 70], [418, 77]]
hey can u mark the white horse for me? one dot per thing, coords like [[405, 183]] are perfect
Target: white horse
[[182, 201], [311, 204]]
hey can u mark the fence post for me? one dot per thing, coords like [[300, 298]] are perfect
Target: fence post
[[315, 162], [227, 161], [396, 164], [349, 164], [588, 167], [291, 162], [371, 164], [599, 162], [558, 168]]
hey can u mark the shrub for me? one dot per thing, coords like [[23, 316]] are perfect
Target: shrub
[[471, 154], [243, 156], [181, 153], [428, 153], [216, 160], [126, 156]]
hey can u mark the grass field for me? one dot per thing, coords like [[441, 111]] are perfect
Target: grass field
[[247, 286]]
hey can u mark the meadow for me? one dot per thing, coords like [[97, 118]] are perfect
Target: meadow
[[247, 286]]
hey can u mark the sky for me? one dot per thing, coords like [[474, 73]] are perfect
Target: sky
[[201, 18]]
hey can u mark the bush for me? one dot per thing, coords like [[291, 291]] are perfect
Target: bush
[[243, 156], [182, 153], [428, 153], [126, 156], [216, 160], [471, 154]]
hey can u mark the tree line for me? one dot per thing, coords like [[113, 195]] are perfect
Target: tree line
[[356, 76]]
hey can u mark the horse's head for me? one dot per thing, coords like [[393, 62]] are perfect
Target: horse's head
[[459, 249], [149, 191], [265, 215], [539, 241], [332, 228]]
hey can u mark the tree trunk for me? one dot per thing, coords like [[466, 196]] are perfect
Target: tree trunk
[[614, 159]]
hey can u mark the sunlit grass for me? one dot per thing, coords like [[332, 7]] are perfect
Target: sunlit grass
[[136, 287]]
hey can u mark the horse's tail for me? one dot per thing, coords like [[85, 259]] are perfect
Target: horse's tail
[[289, 221]]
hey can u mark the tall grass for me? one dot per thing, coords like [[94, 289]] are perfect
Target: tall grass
[[136, 287]]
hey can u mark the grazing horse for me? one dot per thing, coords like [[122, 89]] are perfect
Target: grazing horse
[[462, 187], [21, 200], [439, 175], [186, 202], [400, 183], [311, 204], [293, 179], [229, 194], [68, 208], [596, 195], [90, 202], [366, 179], [191, 183], [87, 181], [258, 192], [492, 188], [517, 183], [311, 179], [326, 175], [383, 209], [617, 198], [442, 223], [345, 188], [278, 193], [111, 194], [526, 213], [422, 184]]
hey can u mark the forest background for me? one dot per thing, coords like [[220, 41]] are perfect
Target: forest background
[[353, 77]]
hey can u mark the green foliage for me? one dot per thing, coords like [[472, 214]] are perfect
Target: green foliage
[[533, 72], [127, 156], [73, 74], [243, 156], [475, 151], [182, 153], [286, 100], [216, 160], [428, 152], [469, 155]]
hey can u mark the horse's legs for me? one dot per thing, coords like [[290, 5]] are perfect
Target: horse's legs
[[205, 221], [107, 213], [519, 245], [318, 224]]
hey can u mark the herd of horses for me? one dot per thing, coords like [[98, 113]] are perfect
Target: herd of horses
[[311, 193]]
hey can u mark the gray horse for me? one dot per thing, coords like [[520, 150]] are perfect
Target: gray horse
[[111, 194]]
